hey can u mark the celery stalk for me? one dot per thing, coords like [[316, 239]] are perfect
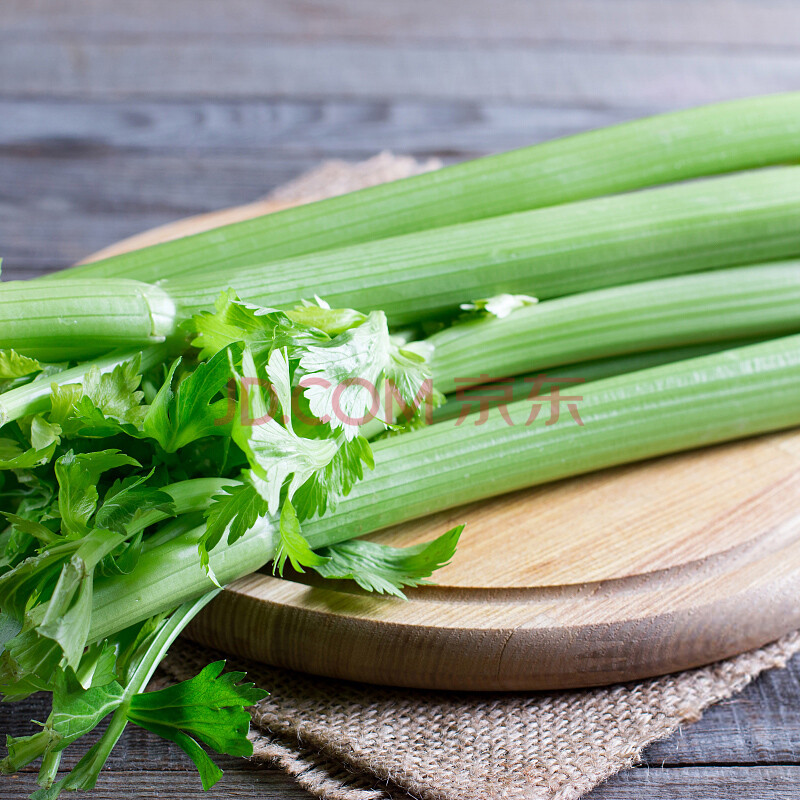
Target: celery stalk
[[672, 147], [550, 252], [743, 302]]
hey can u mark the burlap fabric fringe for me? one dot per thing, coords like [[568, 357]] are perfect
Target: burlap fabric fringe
[[347, 741], [344, 741]]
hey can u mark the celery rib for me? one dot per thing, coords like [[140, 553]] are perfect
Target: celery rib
[[83, 318], [679, 406], [721, 138], [719, 222], [573, 376], [745, 302]]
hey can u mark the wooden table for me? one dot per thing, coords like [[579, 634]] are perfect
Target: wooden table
[[748, 747], [120, 115]]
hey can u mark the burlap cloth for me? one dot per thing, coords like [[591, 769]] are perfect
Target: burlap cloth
[[347, 741]]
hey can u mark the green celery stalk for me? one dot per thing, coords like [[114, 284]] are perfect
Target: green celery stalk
[[101, 315], [549, 252], [715, 139], [631, 417], [572, 376], [720, 222], [167, 574], [744, 302], [666, 409]]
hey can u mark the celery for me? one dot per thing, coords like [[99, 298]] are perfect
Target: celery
[[715, 139], [547, 253], [132, 485], [692, 403], [735, 303]]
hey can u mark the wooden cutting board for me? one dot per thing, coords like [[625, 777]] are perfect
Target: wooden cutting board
[[619, 575]]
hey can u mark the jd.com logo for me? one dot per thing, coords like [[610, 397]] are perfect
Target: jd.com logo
[[476, 396]]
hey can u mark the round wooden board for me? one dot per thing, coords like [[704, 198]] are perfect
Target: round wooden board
[[614, 576]]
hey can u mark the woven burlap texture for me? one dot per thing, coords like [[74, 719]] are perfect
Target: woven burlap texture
[[346, 741]]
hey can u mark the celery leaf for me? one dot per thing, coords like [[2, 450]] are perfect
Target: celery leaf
[[322, 491], [293, 545], [500, 306], [344, 375], [77, 478], [209, 707], [192, 410], [379, 568], [276, 454], [14, 365], [231, 514], [103, 404]]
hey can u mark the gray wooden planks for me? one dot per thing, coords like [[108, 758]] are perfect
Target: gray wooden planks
[[668, 783], [706, 782], [575, 52], [726, 23], [758, 730], [665, 783], [31, 128], [260, 784], [555, 73], [55, 210]]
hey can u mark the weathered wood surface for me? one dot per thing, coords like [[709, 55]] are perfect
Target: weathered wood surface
[[754, 23], [96, 144], [556, 73], [747, 747]]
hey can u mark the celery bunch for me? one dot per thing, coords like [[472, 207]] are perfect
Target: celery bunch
[[175, 418]]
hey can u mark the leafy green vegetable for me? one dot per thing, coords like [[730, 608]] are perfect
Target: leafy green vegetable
[[322, 491], [231, 515], [343, 377], [209, 707], [261, 329], [276, 454], [44, 433], [127, 500], [499, 306], [318, 314], [76, 712], [292, 545], [100, 400], [387, 570], [191, 412], [13, 457], [77, 478], [13, 365]]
